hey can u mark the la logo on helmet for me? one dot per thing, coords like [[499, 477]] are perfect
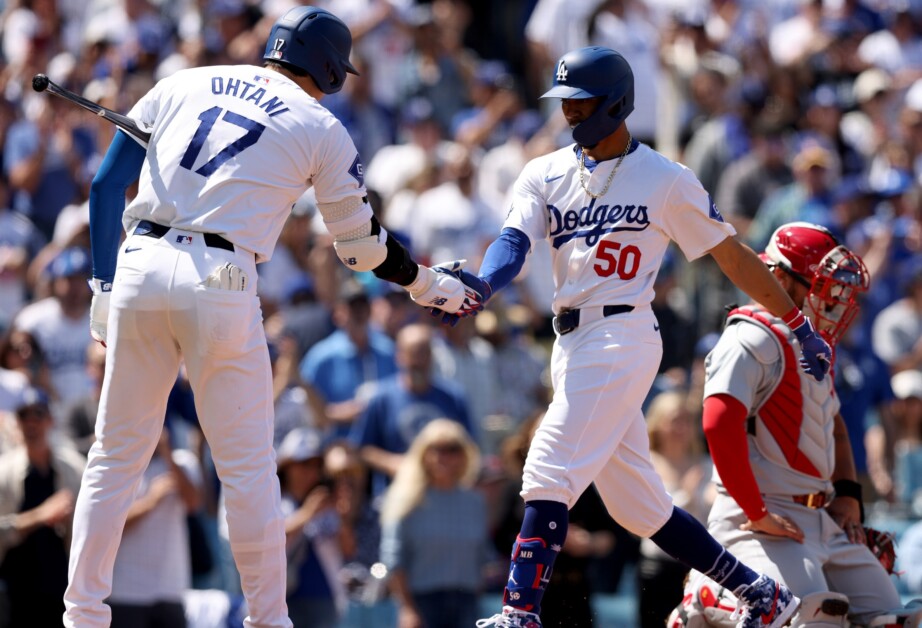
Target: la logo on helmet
[[561, 72]]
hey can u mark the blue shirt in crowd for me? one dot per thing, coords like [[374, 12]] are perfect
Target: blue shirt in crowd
[[394, 416]]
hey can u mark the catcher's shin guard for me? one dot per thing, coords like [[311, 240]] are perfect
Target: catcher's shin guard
[[532, 563]]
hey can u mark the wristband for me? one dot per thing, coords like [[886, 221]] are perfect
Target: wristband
[[100, 285], [849, 488], [794, 319]]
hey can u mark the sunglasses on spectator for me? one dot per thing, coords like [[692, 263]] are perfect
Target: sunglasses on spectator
[[36, 413], [447, 448]]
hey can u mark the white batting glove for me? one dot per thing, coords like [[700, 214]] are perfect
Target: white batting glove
[[99, 309], [441, 290]]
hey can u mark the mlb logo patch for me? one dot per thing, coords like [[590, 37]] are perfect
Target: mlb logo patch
[[261, 79], [181, 239]]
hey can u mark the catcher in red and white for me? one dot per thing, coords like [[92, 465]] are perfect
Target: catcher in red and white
[[788, 501]]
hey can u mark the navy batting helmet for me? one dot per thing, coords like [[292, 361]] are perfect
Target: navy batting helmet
[[589, 73], [315, 41]]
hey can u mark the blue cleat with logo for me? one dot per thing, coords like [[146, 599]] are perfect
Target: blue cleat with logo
[[765, 604]]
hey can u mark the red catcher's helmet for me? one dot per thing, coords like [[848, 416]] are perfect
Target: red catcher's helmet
[[835, 276]]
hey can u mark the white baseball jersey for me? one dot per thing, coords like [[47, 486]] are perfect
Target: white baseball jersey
[[608, 250], [227, 158]]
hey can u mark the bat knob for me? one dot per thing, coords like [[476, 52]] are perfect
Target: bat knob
[[40, 82]]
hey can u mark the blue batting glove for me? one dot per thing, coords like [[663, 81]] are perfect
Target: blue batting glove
[[815, 352]]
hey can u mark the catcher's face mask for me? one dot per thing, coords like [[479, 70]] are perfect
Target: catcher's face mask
[[832, 302]]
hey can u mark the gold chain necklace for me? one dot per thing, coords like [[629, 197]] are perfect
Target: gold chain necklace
[[582, 169]]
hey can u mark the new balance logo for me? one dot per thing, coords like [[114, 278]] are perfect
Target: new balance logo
[[438, 301], [526, 554], [350, 261], [561, 72]]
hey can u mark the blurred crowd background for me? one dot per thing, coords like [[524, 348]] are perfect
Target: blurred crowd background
[[400, 442]]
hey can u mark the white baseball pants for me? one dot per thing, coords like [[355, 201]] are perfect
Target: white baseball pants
[[594, 428], [161, 314]]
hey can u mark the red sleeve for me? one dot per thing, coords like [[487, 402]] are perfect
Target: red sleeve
[[725, 429]]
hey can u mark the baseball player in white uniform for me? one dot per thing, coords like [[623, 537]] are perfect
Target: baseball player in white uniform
[[231, 150], [788, 501], [609, 206]]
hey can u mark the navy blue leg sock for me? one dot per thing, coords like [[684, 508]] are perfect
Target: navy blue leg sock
[[689, 542], [544, 529]]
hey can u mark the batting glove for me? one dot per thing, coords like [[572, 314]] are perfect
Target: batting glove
[[99, 309], [442, 289], [477, 290], [816, 355]]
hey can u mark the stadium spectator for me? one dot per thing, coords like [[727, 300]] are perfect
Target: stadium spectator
[[909, 560], [392, 310], [370, 124], [359, 533], [451, 221], [748, 181], [292, 406], [869, 126], [59, 323], [461, 356], [153, 564], [432, 69], [519, 363], [336, 368], [897, 330], [78, 420], [907, 439], [403, 404], [678, 455], [589, 536], [43, 159], [434, 541], [808, 198], [38, 483], [20, 242], [20, 354], [315, 591], [420, 140]]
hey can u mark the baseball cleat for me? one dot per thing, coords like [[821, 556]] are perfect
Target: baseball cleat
[[511, 618], [765, 604]]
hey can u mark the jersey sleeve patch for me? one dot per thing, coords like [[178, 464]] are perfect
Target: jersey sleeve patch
[[357, 170], [713, 212]]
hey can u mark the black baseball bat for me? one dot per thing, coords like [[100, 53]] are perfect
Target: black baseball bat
[[42, 83]]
